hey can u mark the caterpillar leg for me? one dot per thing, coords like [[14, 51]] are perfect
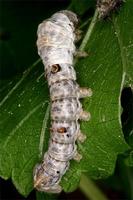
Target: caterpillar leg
[[85, 116], [85, 92], [77, 156], [78, 34], [81, 137], [80, 54]]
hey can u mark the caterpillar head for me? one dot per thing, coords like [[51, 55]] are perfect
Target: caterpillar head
[[72, 16], [66, 17]]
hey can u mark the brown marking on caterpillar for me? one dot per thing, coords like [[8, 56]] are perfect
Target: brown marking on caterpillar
[[55, 68], [62, 130]]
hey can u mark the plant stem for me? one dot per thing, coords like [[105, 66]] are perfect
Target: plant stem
[[90, 29], [90, 190], [85, 23]]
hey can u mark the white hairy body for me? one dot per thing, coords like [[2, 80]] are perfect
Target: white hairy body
[[56, 48]]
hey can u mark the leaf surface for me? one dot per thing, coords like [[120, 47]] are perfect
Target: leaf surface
[[25, 107]]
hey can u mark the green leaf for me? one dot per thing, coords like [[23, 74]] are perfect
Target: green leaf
[[25, 107], [19, 138], [107, 70]]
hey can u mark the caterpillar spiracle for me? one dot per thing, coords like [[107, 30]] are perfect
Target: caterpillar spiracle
[[56, 37]]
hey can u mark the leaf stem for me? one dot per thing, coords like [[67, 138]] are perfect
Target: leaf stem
[[90, 29], [85, 23], [44, 126], [90, 190]]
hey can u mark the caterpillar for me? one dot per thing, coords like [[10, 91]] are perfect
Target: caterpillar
[[105, 7], [56, 37]]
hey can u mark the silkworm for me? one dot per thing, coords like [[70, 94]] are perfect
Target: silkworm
[[56, 37]]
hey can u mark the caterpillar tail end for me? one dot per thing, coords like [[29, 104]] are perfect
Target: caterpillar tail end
[[42, 182], [56, 189], [53, 189]]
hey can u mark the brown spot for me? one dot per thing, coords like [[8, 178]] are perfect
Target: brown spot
[[55, 68], [62, 130]]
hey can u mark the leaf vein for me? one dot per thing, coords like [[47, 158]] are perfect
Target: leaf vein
[[20, 124]]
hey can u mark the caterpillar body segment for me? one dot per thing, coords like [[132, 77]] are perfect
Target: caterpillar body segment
[[56, 37]]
